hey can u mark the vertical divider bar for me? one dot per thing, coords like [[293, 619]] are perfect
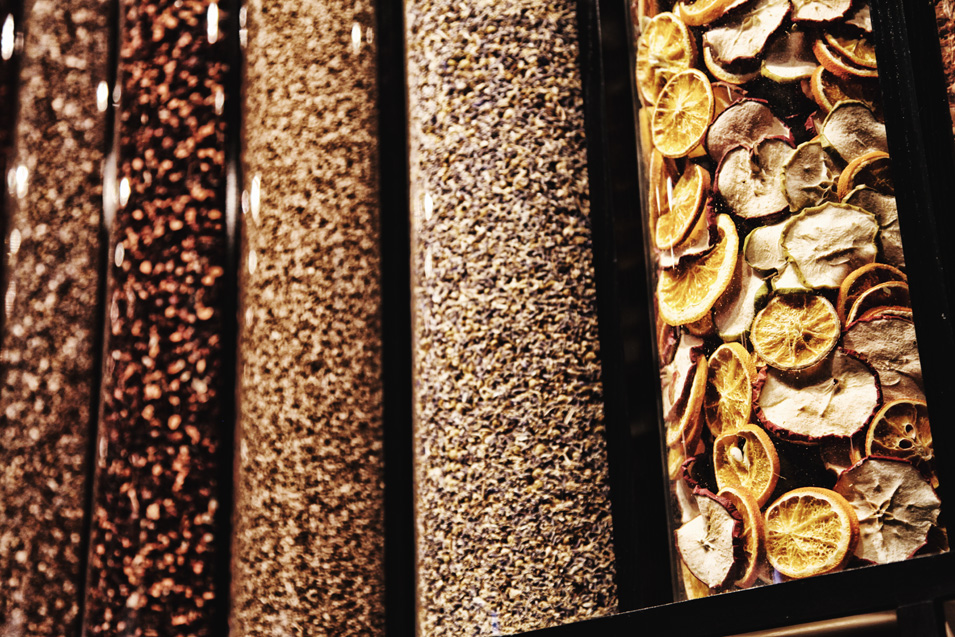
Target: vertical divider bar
[[395, 236], [917, 125], [643, 574]]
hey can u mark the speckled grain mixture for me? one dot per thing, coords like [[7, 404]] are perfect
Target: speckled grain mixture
[[945, 16], [154, 538], [48, 343], [308, 549], [513, 514]]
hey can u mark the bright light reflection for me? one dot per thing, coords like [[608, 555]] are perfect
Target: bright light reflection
[[15, 240], [124, 191], [8, 38], [213, 23], [255, 194], [253, 261], [356, 37], [119, 255], [102, 96], [428, 206], [22, 181]]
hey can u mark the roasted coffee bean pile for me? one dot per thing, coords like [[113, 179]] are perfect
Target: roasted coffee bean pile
[[48, 356], [154, 538], [309, 528], [513, 512]]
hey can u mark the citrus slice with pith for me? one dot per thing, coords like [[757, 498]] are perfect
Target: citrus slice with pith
[[810, 531], [838, 63], [688, 291], [746, 459], [888, 294], [679, 212], [862, 279], [664, 49], [872, 169], [828, 89], [795, 331], [703, 11], [858, 50], [901, 430], [682, 114], [754, 533], [728, 400]]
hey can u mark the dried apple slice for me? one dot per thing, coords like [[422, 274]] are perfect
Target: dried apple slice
[[820, 10], [884, 295], [901, 430], [865, 278], [853, 131], [687, 292], [789, 57], [751, 181], [753, 534], [746, 123], [896, 507], [829, 405], [684, 422], [872, 169], [728, 399], [884, 208], [695, 589], [734, 312], [788, 281], [860, 17], [744, 34], [677, 377], [828, 242], [738, 72], [795, 331], [763, 251], [665, 48], [809, 176], [746, 459], [710, 544], [890, 346]]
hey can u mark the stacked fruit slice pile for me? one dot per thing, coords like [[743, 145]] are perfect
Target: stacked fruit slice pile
[[794, 413]]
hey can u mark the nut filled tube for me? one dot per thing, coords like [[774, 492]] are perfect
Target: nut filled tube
[[155, 541]]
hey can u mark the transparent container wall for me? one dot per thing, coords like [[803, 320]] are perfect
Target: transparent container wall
[[945, 17], [51, 323], [155, 543], [796, 436], [309, 513], [511, 481]]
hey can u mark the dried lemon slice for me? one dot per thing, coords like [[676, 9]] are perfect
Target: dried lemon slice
[[703, 11], [688, 291], [679, 211], [872, 169], [810, 531], [754, 533], [858, 50], [747, 459], [901, 430], [839, 64], [728, 400], [682, 113], [862, 279], [795, 331], [828, 89], [665, 48], [889, 294]]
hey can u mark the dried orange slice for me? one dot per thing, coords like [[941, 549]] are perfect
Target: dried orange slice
[[838, 64], [889, 294], [862, 279], [679, 211], [663, 176], [688, 291], [872, 169], [795, 331], [702, 328], [901, 430], [664, 49], [746, 459], [702, 12], [810, 531], [828, 89], [754, 533], [682, 113], [858, 50], [728, 400]]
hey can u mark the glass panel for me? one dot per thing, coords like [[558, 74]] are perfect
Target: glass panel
[[513, 514], [49, 347], [796, 436], [155, 542], [309, 518]]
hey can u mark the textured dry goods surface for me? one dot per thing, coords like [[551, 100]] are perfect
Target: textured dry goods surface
[[513, 513], [154, 539], [945, 16], [308, 553], [48, 343]]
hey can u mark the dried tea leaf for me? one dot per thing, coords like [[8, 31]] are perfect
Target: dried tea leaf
[[744, 34], [889, 345], [751, 181], [886, 211], [828, 242], [820, 10], [709, 544], [853, 131], [807, 410], [810, 176], [745, 123], [896, 507], [763, 251]]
